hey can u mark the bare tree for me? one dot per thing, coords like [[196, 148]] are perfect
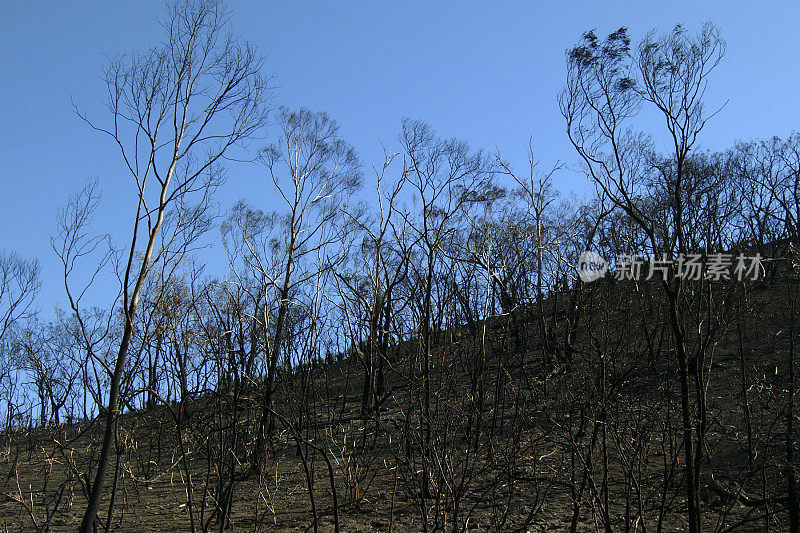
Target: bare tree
[[369, 287], [19, 285], [538, 196], [444, 175], [314, 172], [175, 112], [605, 89]]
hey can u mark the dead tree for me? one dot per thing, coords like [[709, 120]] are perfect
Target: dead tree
[[175, 112], [314, 172], [605, 89]]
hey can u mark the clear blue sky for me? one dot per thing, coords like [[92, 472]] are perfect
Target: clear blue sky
[[485, 72]]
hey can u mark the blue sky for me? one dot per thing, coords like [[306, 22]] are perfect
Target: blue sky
[[488, 73]]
